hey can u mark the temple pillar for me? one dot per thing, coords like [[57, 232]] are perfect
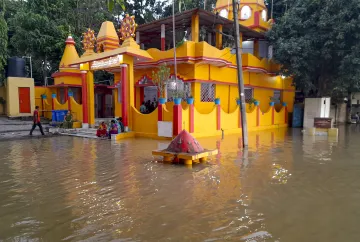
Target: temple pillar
[[124, 95], [195, 23], [91, 98], [130, 97], [84, 99], [219, 39], [163, 37]]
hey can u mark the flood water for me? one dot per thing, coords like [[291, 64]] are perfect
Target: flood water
[[285, 188]]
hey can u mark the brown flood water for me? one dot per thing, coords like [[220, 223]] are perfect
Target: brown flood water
[[285, 188]]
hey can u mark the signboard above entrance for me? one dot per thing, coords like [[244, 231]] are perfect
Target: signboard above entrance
[[114, 61]]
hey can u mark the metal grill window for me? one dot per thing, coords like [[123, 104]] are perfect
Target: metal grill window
[[186, 87], [249, 94], [207, 92]]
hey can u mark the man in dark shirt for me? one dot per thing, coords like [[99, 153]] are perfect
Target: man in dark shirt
[[37, 122]]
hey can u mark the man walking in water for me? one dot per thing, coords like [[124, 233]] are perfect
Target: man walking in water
[[36, 119]]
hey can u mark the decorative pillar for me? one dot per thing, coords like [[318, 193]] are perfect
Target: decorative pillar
[[124, 95], [84, 100], [160, 112], [163, 37], [138, 37], [195, 27], [218, 116], [257, 115], [53, 97], [191, 117], [272, 113], [219, 39], [286, 113], [91, 98], [177, 119], [43, 98]]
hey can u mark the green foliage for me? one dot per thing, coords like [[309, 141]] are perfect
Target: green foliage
[[160, 78], [317, 43], [3, 46], [111, 4]]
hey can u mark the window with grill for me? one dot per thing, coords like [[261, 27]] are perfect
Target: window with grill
[[249, 94], [207, 92], [185, 87]]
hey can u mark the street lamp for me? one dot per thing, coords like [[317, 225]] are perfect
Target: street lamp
[[29, 57]]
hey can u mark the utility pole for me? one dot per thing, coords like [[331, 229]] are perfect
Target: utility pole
[[240, 76], [174, 43]]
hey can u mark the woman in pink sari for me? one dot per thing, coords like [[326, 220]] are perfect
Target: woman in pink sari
[[114, 129]]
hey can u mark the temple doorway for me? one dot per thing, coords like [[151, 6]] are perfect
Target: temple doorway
[[104, 106]]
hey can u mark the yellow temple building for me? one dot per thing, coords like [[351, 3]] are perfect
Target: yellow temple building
[[206, 72]]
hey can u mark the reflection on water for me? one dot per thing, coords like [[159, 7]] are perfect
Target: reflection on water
[[286, 187]]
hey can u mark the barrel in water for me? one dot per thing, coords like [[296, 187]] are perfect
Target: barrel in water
[[16, 67]]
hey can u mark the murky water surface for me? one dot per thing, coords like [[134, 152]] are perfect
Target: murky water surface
[[285, 188]]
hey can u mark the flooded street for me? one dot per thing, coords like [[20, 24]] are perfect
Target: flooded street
[[285, 188]]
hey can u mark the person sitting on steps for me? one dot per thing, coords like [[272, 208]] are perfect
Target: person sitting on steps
[[68, 122], [121, 125]]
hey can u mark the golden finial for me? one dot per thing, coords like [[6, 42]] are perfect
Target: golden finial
[[128, 27], [88, 40]]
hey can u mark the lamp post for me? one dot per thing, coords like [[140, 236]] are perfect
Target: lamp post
[[29, 57]]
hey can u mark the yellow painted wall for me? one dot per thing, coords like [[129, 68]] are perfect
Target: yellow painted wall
[[68, 80], [47, 108], [59, 106], [76, 110], [230, 121], [117, 105], [144, 124], [12, 95], [205, 123]]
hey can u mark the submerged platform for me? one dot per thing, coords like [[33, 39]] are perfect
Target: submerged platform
[[185, 158]]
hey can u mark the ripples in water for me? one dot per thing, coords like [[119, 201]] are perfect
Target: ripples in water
[[286, 187]]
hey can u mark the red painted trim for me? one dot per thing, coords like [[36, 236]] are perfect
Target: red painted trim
[[273, 115], [256, 18], [218, 117], [84, 98], [64, 85], [62, 74], [177, 119], [286, 115], [257, 116], [142, 90], [70, 41], [124, 95], [160, 112], [53, 103], [162, 44], [191, 117], [66, 93]]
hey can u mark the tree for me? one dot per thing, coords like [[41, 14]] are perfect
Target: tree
[[316, 42], [3, 44]]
